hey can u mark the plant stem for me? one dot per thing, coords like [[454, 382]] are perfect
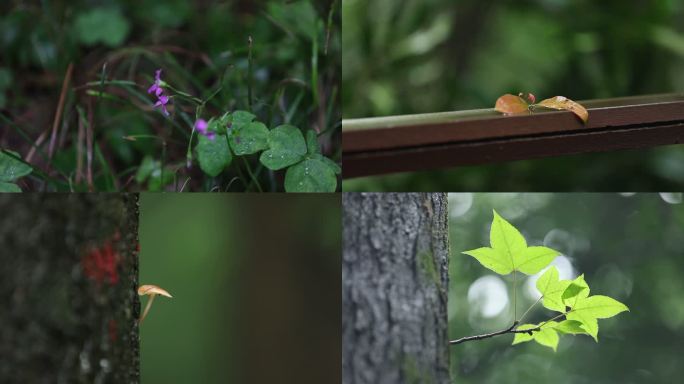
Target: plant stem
[[251, 174], [249, 73], [515, 309], [530, 308], [147, 308]]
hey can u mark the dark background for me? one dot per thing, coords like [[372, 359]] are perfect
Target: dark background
[[408, 56]]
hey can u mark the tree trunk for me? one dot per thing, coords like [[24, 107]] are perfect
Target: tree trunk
[[394, 288], [68, 280]]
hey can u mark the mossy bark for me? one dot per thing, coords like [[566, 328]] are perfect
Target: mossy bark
[[394, 288], [68, 279]]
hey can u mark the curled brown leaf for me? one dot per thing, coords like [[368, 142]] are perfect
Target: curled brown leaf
[[563, 103]]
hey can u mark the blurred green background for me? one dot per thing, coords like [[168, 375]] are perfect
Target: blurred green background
[[418, 56], [255, 284], [629, 246], [200, 45]]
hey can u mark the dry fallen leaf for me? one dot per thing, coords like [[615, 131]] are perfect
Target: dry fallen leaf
[[510, 104], [563, 103]]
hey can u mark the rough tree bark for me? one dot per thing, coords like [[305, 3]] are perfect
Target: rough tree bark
[[68, 279], [394, 288]]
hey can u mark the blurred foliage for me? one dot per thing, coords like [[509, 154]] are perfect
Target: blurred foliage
[[244, 281], [116, 45], [629, 246], [418, 56]]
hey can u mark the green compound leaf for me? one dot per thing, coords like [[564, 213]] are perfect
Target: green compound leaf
[[587, 310], [238, 119], [311, 175], [101, 25], [546, 335], [10, 168], [552, 289], [286, 147], [571, 327], [509, 251], [9, 187], [248, 138], [213, 155]]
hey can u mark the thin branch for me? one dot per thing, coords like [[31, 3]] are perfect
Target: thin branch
[[511, 329]]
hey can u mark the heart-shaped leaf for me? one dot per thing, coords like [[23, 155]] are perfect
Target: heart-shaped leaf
[[286, 147], [563, 103], [511, 104], [249, 138], [311, 175], [213, 155]]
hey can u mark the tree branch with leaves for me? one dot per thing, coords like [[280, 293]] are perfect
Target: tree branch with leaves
[[578, 312]]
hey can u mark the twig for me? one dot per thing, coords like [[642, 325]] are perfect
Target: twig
[[511, 329]]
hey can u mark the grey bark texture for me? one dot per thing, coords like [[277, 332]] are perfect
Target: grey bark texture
[[394, 288], [68, 280]]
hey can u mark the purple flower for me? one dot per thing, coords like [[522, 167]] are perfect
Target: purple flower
[[202, 127], [156, 87], [161, 102], [158, 91]]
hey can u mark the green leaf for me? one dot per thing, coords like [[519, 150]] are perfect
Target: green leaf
[[573, 290], [312, 142], [509, 251], [570, 298], [156, 183], [551, 289], [101, 25], [333, 165], [287, 147], [10, 168], [546, 335], [491, 259], [213, 155], [571, 327], [311, 175], [239, 119], [145, 169], [9, 187], [249, 138], [534, 259], [523, 337], [588, 309]]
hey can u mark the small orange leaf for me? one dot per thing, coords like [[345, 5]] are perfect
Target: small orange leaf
[[510, 104], [563, 103]]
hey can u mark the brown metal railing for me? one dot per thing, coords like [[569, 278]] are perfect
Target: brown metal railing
[[382, 145]]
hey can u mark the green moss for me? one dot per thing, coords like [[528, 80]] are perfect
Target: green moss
[[426, 263]]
